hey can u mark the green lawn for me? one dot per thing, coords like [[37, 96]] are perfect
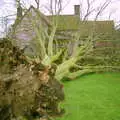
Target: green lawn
[[93, 97]]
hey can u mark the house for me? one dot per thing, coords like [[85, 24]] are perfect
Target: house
[[72, 23], [24, 27], [67, 25]]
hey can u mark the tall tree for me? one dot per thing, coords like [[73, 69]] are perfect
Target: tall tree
[[91, 7]]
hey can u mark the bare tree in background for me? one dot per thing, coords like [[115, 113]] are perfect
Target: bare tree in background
[[101, 8], [54, 6], [37, 3], [118, 25], [91, 8]]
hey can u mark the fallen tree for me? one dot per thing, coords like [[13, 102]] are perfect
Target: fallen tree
[[40, 93]]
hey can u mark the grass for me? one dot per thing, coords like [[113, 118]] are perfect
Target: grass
[[93, 97]]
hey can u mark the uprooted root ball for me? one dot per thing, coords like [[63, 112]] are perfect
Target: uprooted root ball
[[25, 91]]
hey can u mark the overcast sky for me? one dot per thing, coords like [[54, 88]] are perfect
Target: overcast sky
[[7, 7]]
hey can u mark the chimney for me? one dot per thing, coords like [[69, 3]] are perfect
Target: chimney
[[77, 10], [19, 12]]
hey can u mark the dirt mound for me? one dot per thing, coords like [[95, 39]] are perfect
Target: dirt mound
[[26, 89]]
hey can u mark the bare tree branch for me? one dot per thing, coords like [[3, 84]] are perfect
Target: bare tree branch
[[118, 25], [38, 3], [102, 8], [89, 9], [55, 6], [51, 7]]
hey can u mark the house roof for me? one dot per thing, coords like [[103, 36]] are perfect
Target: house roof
[[42, 16], [97, 26], [66, 22], [72, 22]]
